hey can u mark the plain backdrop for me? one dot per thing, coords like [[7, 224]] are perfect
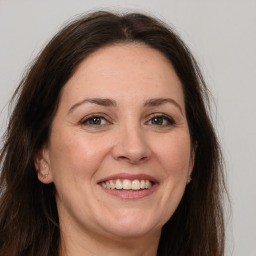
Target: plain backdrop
[[222, 37]]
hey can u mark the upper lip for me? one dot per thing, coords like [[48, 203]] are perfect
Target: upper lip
[[129, 177]]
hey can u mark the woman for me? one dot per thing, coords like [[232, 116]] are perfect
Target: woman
[[109, 149]]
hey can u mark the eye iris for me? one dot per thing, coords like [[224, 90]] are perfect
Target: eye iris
[[95, 120], [158, 120]]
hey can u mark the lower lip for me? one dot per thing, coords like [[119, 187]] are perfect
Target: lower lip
[[130, 194]]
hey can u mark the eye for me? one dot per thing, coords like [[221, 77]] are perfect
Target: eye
[[94, 120], [161, 120]]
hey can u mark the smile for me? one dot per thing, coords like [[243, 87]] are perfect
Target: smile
[[127, 184]]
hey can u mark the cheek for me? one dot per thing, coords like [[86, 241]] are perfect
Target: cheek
[[174, 154], [77, 155]]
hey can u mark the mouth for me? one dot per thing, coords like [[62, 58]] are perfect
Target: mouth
[[127, 186]]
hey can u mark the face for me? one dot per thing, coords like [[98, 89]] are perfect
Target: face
[[119, 152]]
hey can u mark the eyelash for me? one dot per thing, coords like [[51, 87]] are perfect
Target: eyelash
[[86, 120], [170, 121], [99, 118]]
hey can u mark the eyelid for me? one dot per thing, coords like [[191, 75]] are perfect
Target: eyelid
[[171, 121], [93, 115], [169, 118]]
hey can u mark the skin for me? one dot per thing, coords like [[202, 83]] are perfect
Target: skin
[[128, 137]]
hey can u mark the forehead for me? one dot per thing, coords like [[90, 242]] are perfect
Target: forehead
[[122, 70]]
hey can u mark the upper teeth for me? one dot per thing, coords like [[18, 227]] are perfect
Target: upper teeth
[[127, 184]]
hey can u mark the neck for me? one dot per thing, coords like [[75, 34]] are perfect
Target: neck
[[91, 245]]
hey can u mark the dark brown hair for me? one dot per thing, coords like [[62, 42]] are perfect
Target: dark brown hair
[[28, 212]]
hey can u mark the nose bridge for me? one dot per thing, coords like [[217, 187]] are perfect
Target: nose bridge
[[131, 144]]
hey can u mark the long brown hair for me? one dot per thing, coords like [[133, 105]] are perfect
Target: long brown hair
[[28, 212]]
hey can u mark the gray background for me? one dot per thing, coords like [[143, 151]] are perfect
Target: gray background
[[222, 36]]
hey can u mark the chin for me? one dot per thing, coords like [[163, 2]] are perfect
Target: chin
[[132, 232], [134, 226]]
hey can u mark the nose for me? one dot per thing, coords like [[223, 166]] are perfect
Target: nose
[[131, 146]]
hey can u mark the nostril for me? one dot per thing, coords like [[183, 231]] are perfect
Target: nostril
[[133, 160], [131, 148], [123, 157]]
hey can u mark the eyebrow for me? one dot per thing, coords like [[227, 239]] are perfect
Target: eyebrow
[[160, 101], [106, 102], [98, 101]]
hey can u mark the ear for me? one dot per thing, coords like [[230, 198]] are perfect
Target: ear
[[42, 165]]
